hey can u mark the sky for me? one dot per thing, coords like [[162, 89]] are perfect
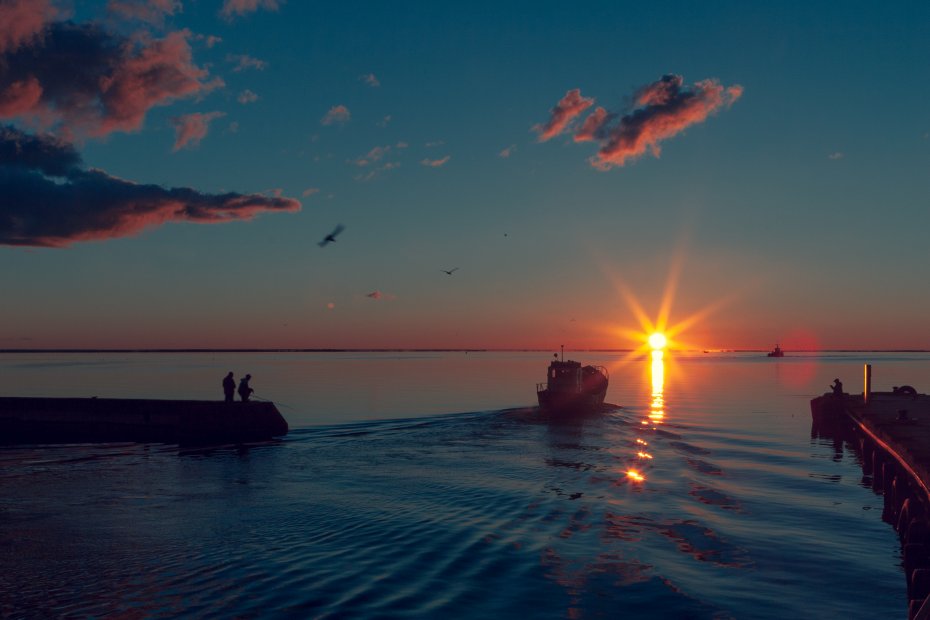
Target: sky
[[741, 174]]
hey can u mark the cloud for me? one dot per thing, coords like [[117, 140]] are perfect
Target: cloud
[[149, 11], [310, 191], [593, 127], [246, 97], [436, 163], [384, 121], [50, 200], [337, 114], [376, 172], [378, 296], [401, 145], [370, 79], [84, 80], [374, 155], [244, 61], [190, 129], [507, 152], [662, 110], [232, 8], [570, 106], [21, 21], [836, 155], [212, 40]]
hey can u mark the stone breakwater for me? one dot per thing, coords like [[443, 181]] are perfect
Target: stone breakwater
[[75, 420]]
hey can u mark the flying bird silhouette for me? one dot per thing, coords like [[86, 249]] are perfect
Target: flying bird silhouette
[[331, 237], [449, 272]]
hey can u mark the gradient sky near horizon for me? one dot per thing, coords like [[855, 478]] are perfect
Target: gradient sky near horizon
[[767, 163]]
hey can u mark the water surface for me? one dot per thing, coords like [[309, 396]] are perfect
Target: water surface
[[425, 485]]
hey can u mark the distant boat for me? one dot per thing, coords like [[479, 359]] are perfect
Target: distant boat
[[571, 387], [776, 352]]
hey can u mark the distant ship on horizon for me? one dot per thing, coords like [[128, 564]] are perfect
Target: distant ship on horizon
[[776, 352]]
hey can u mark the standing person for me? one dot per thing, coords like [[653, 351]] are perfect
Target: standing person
[[837, 387], [229, 387], [244, 390]]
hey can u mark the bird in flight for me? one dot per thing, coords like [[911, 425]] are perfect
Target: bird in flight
[[331, 237], [449, 272]]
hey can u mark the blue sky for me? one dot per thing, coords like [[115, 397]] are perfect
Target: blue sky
[[797, 213]]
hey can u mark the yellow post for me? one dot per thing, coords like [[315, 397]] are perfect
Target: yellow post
[[867, 383]]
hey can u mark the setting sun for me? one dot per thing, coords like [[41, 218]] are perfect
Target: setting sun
[[657, 340]]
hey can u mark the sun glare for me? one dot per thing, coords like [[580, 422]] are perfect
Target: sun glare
[[658, 341]]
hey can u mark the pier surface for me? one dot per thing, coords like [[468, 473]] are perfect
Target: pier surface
[[901, 422], [892, 438], [74, 420]]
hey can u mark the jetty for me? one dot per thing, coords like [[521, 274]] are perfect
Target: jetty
[[890, 433], [189, 422]]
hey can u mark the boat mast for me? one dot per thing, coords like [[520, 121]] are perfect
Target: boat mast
[[563, 352]]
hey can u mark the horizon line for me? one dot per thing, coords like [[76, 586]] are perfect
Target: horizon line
[[425, 350]]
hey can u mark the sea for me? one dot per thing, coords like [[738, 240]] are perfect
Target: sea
[[423, 484]]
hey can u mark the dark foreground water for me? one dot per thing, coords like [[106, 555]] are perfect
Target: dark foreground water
[[704, 496]]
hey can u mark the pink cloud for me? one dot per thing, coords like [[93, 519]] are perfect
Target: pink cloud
[[87, 81], [233, 8], [244, 61], [246, 97], [378, 296], [592, 127], [436, 163], [507, 152], [20, 98], [374, 155], [370, 79], [336, 114], [49, 200], [663, 109], [151, 11], [570, 106], [22, 20], [667, 110], [375, 172], [310, 191], [190, 129]]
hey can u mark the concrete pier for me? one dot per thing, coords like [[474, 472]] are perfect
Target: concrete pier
[[890, 432], [76, 420]]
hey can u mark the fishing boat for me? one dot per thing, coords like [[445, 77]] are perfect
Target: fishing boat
[[571, 387], [776, 352]]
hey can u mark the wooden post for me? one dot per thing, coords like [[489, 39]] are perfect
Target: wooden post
[[867, 383]]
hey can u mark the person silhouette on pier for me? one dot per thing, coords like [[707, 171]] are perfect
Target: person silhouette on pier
[[244, 390], [229, 387], [837, 387]]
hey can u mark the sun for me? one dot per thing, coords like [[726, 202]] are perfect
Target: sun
[[658, 341]]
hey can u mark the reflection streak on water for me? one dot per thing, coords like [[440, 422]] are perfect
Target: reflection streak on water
[[655, 416]]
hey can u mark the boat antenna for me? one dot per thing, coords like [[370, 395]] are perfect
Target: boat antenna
[[563, 352]]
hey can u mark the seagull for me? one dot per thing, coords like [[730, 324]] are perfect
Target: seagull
[[449, 273], [331, 237]]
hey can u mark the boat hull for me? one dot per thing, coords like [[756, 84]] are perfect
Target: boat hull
[[561, 402]]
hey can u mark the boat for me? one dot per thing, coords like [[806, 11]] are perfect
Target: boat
[[572, 388], [776, 352], [190, 422]]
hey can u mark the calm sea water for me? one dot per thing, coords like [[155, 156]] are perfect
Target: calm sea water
[[420, 485]]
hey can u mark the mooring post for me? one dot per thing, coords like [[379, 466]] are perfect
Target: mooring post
[[867, 383]]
